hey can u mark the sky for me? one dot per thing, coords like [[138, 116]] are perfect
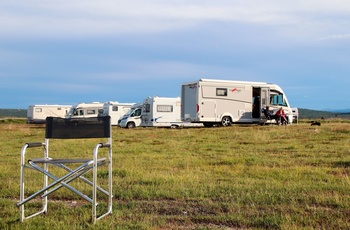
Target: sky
[[67, 52]]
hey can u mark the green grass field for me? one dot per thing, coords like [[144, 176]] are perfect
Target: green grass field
[[239, 177]]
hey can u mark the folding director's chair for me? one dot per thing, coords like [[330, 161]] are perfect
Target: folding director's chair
[[60, 128]]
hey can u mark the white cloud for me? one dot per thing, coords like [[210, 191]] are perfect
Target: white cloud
[[336, 37], [94, 18]]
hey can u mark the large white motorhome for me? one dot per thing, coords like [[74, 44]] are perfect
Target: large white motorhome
[[84, 110], [115, 110], [161, 112], [132, 118], [36, 114], [225, 102]]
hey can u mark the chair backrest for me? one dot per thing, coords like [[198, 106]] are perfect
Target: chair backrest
[[267, 115], [68, 128]]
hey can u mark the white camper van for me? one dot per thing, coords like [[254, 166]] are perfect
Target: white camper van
[[225, 102], [295, 112], [161, 112], [115, 110], [84, 110], [36, 114], [132, 118]]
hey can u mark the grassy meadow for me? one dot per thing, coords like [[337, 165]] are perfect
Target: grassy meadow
[[238, 177]]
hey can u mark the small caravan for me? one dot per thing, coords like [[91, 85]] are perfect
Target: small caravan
[[36, 114], [225, 102], [132, 118], [84, 110], [161, 112], [115, 110]]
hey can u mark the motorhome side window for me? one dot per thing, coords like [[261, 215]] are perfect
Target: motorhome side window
[[164, 108], [222, 92], [38, 110], [115, 108], [90, 111], [147, 108]]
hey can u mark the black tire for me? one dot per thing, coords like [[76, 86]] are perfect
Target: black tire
[[226, 121], [131, 125]]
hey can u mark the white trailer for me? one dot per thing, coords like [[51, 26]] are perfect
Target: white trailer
[[132, 118], [161, 112], [84, 110], [225, 102], [115, 110], [36, 114]]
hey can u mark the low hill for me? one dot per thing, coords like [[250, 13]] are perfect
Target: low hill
[[312, 114], [13, 113], [317, 114]]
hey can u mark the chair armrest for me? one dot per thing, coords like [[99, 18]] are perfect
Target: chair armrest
[[34, 144], [105, 145]]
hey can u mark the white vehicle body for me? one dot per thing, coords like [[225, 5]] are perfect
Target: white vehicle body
[[85, 110], [115, 110], [36, 114], [295, 112], [132, 118], [161, 112], [225, 102]]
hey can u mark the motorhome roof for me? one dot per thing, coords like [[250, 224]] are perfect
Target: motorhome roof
[[231, 81], [117, 103], [137, 105], [161, 97], [52, 105]]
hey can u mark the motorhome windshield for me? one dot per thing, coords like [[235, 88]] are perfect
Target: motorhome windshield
[[129, 112], [73, 112], [277, 98]]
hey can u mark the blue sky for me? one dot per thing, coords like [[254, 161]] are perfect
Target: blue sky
[[66, 52]]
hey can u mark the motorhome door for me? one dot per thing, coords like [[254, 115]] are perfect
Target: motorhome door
[[265, 99], [207, 110]]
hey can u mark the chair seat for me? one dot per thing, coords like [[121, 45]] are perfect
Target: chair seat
[[62, 161]]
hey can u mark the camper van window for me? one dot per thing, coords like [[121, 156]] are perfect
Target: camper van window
[[115, 108], [38, 110], [90, 111], [164, 108], [273, 100], [221, 92], [81, 112], [147, 108]]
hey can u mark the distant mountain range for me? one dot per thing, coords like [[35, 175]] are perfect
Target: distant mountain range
[[303, 113], [13, 113], [314, 114], [339, 110]]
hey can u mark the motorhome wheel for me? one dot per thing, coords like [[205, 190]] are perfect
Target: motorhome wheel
[[226, 121], [131, 125]]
